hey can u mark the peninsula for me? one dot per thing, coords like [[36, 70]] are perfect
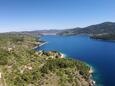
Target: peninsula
[[20, 65], [104, 36]]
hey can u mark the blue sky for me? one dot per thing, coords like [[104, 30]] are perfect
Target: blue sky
[[22, 15]]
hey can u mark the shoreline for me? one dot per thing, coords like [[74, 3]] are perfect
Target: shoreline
[[92, 82], [102, 39]]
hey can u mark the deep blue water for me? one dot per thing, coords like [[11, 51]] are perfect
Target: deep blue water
[[99, 54]]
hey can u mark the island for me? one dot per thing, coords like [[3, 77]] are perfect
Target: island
[[21, 65]]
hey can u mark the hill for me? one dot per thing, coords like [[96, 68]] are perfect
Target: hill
[[20, 65], [103, 28]]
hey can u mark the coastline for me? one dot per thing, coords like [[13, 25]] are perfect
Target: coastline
[[92, 82], [108, 40]]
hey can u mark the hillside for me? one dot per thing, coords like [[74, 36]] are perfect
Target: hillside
[[20, 65], [106, 27]]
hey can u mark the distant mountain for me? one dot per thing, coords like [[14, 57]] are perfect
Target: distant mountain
[[42, 32], [103, 28], [38, 32]]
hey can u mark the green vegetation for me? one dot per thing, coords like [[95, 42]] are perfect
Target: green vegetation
[[20, 65]]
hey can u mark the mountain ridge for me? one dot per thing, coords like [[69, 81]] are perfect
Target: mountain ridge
[[102, 28]]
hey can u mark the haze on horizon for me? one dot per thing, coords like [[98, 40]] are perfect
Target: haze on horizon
[[27, 15]]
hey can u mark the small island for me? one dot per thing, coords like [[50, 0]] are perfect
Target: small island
[[21, 65]]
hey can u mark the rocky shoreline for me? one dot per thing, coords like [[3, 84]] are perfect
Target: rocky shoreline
[[91, 81]]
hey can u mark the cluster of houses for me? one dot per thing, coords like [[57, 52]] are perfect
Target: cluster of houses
[[50, 54]]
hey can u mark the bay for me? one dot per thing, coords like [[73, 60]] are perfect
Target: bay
[[99, 54]]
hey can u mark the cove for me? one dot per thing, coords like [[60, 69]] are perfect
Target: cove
[[100, 54]]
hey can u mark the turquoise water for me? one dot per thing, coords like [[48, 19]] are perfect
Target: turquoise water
[[99, 54]]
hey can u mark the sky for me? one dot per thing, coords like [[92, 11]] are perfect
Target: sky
[[28, 15]]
